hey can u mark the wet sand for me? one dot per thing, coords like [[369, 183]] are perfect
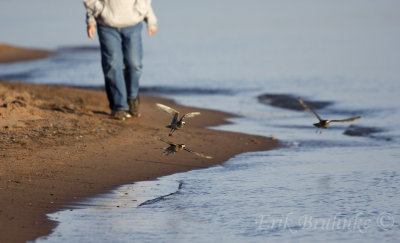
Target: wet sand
[[59, 145]]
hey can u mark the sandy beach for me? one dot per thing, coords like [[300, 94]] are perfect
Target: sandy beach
[[59, 145]]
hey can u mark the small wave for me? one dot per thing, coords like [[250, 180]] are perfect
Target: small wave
[[164, 90], [184, 91], [361, 131], [18, 76], [78, 48], [92, 87], [354, 130], [323, 143], [291, 102]]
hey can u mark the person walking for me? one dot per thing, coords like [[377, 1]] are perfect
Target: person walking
[[119, 25]]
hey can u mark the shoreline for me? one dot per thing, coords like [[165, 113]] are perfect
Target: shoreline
[[59, 145]]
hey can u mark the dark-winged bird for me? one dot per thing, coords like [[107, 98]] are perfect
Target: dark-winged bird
[[176, 123], [325, 123]]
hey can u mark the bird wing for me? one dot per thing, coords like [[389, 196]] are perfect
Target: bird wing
[[347, 120], [198, 154], [308, 108], [175, 118], [167, 109], [189, 115]]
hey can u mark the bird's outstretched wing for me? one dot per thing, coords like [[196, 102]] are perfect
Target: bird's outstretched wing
[[308, 108], [198, 154], [167, 109], [191, 114], [347, 120]]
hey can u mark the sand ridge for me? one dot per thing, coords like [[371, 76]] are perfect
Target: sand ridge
[[9, 53]]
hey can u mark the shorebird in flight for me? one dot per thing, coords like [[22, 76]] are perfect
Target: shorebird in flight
[[176, 123], [325, 123], [174, 148]]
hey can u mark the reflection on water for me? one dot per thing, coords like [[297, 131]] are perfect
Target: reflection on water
[[102, 215]]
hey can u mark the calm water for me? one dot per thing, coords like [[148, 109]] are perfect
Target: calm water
[[338, 185]]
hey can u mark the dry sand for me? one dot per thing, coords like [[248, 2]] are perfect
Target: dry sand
[[59, 145]]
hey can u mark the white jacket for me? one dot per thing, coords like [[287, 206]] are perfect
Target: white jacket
[[120, 13]]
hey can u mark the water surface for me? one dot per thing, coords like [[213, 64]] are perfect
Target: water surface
[[341, 184]]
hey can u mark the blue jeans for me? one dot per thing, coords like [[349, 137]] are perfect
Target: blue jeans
[[121, 59]]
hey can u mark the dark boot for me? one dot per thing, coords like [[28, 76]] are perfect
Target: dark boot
[[134, 107]]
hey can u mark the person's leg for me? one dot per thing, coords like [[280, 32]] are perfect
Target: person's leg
[[112, 64], [133, 54]]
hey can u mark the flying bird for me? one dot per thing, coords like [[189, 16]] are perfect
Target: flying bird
[[174, 148], [325, 123], [176, 123]]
